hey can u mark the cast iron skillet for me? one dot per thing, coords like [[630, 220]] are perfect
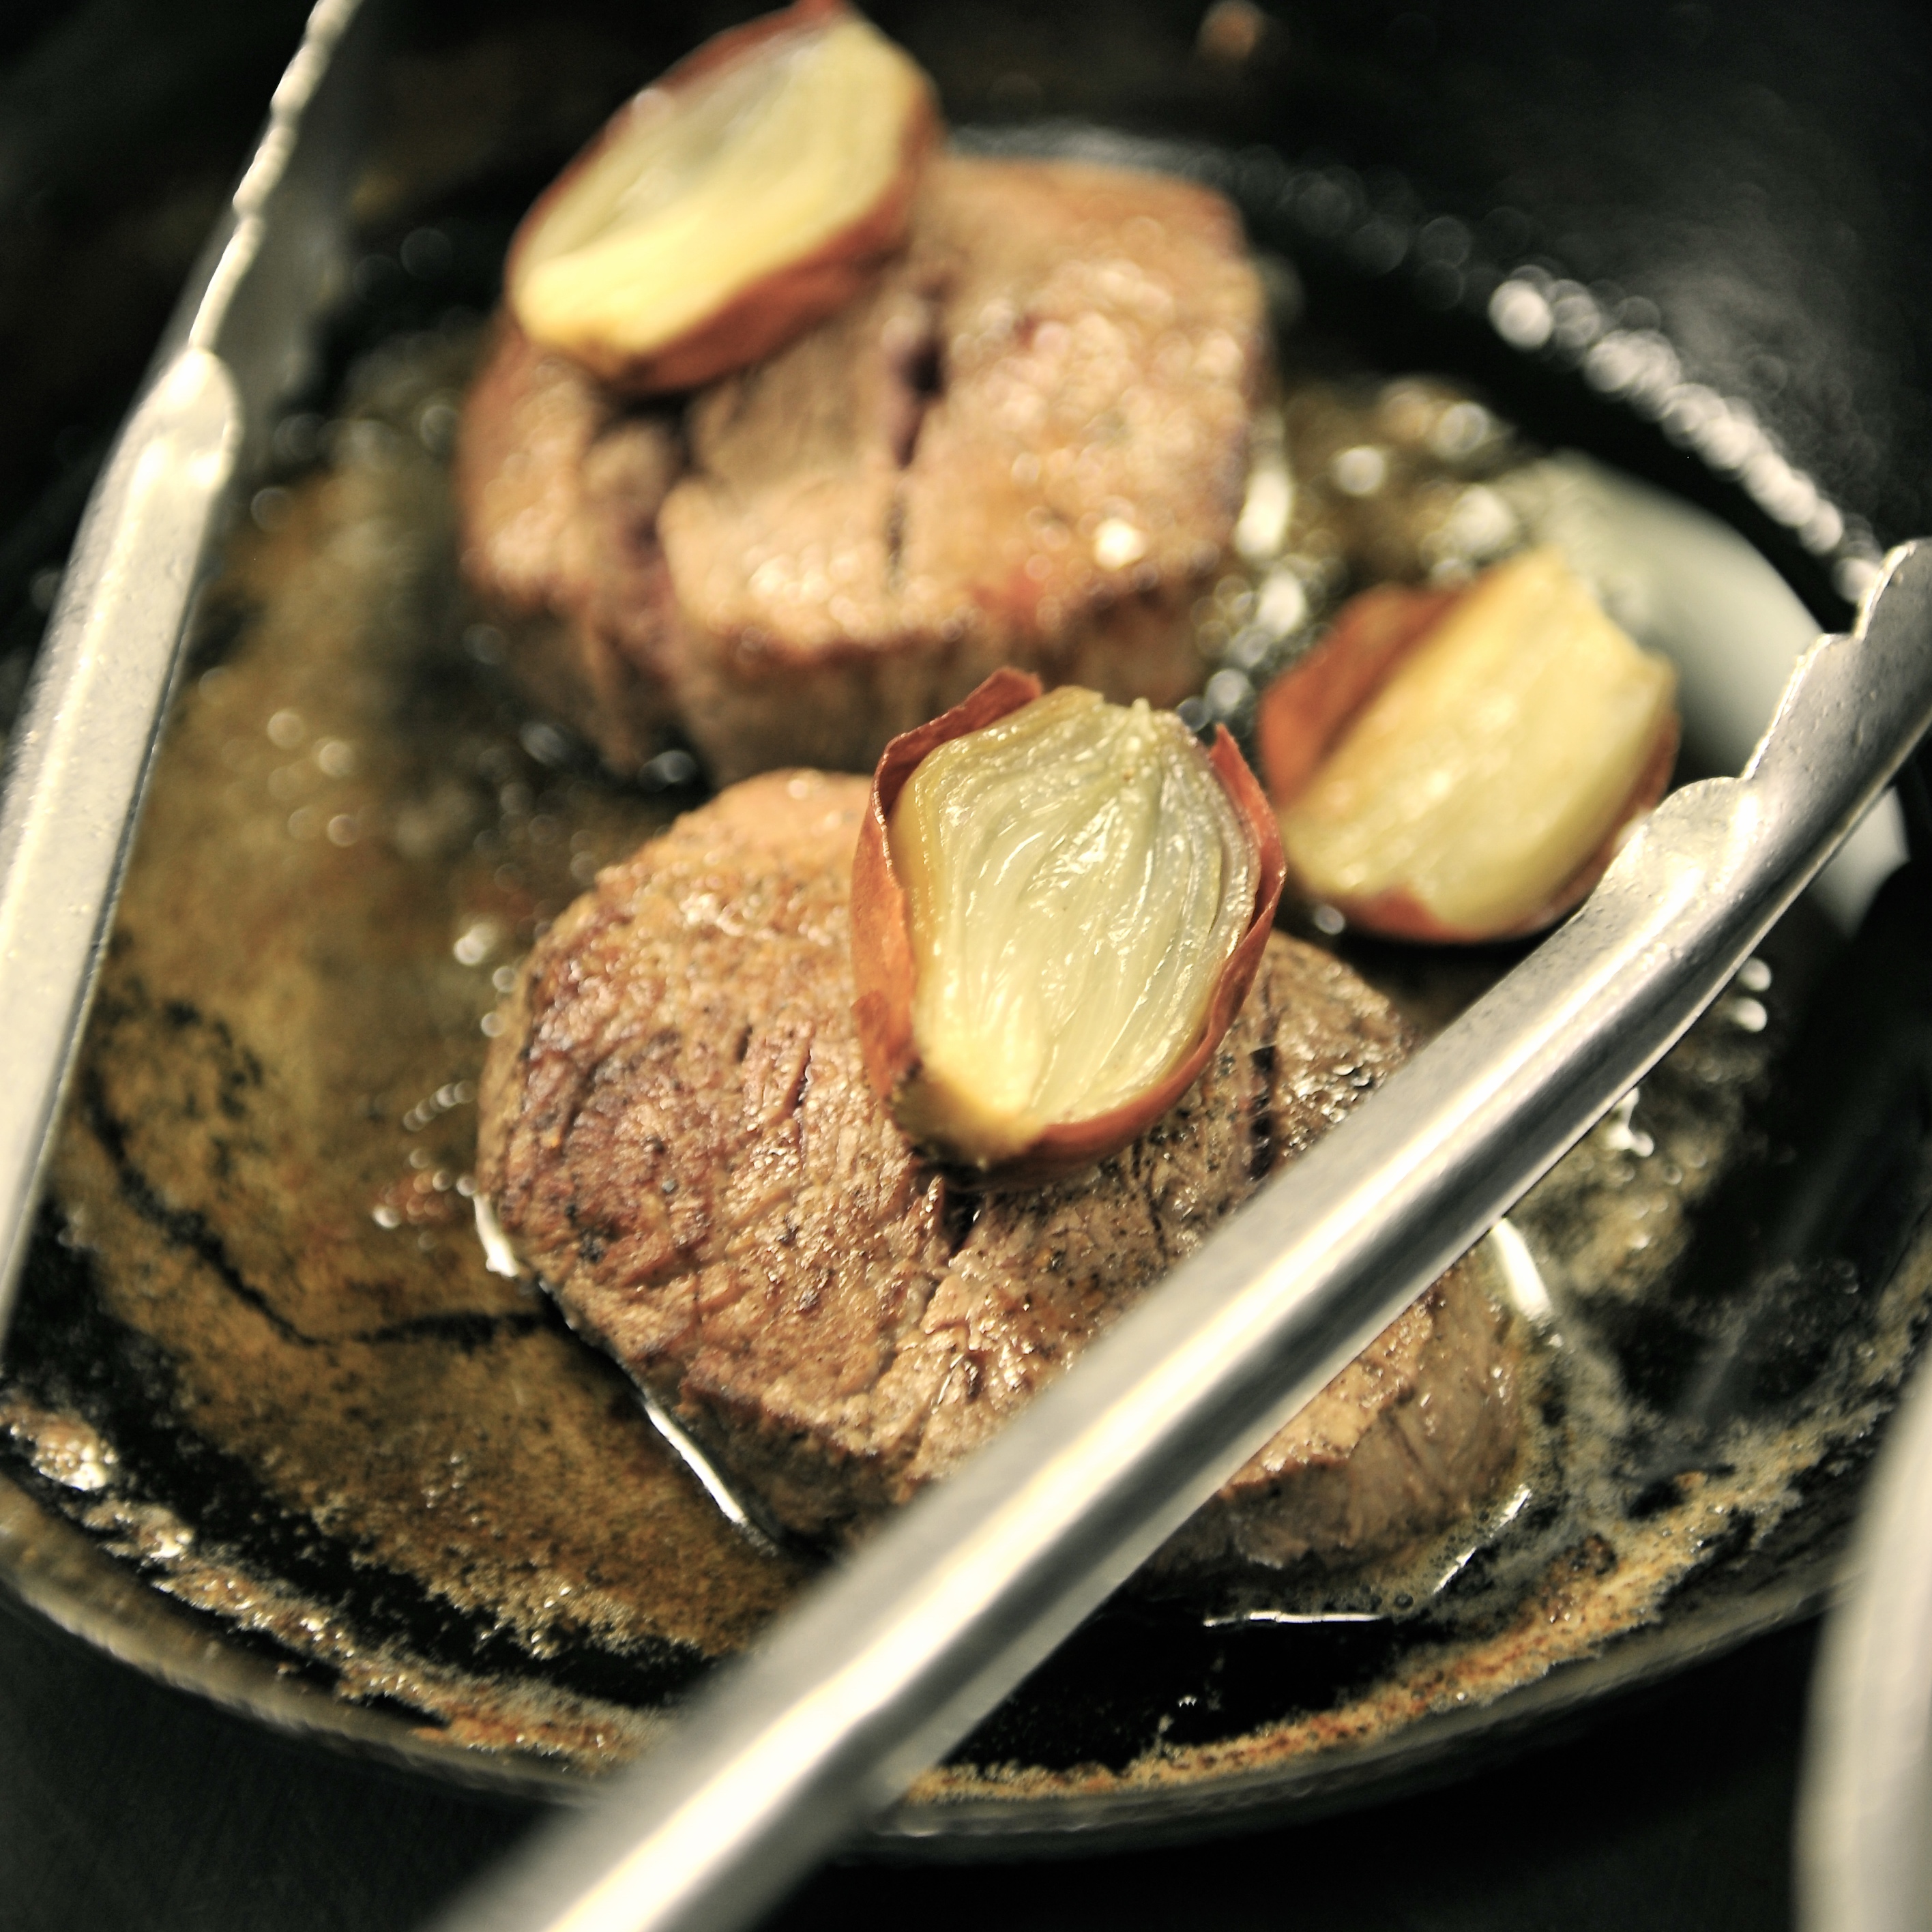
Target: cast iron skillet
[[1852, 1105]]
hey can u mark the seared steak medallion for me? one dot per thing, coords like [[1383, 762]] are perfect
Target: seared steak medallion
[[1027, 446], [558, 487], [678, 1134]]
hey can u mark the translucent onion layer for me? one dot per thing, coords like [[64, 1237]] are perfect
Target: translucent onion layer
[[768, 150], [1078, 879]]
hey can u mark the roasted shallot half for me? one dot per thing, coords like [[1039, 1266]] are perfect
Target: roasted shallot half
[[1058, 905], [749, 194], [1462, 766]]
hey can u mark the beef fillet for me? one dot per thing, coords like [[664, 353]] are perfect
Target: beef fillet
[[1027, 446], [678, 1135], [558, 487]]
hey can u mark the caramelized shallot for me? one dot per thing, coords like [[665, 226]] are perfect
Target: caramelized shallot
[[749, 194], [1462, 767], [1058, 905]]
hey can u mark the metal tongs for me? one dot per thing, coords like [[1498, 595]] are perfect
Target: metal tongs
[[896, 1656]]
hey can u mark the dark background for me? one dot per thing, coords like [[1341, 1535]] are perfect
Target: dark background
[[1759, 173]]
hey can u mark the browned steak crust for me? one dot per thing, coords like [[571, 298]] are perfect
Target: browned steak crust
[[678, 1133], [558, 488], [1027, 446]]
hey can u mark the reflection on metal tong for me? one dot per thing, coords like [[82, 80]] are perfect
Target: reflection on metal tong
[[893, 1659], [78, 757]]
